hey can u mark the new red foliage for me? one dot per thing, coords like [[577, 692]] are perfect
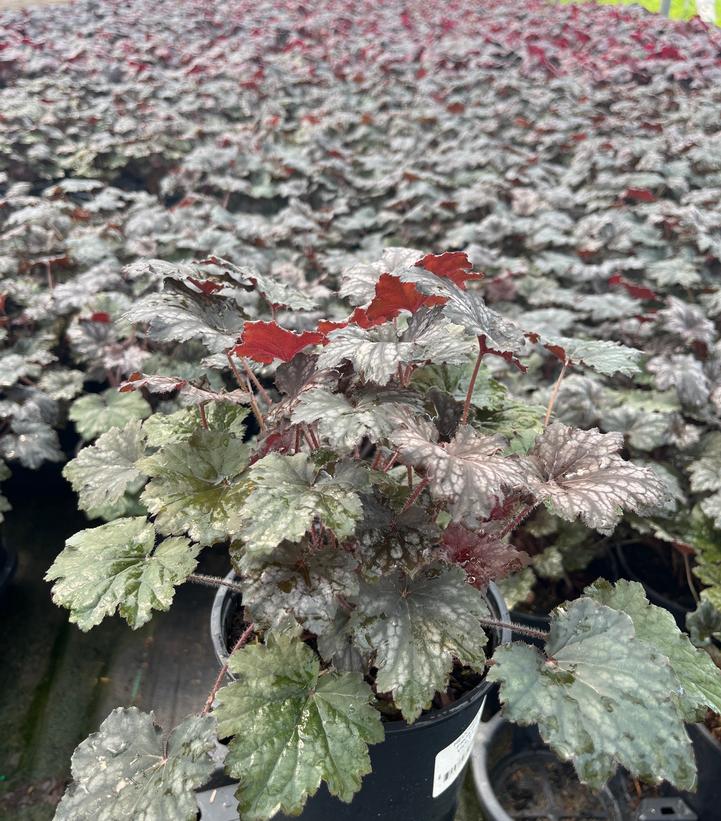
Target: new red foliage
[[452, 265], [265, 341]]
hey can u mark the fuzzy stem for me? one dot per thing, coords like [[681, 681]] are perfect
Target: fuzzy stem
[[254, 406], [416, 493], [554, 394], [254, 379], [689, 578], [236, 373], [213, 581], [224, 669], [203, 417], [517, 519], [517, 628], [474, 375], [389, 464]]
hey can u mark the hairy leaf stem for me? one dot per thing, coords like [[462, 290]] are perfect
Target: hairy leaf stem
[[224, 669], [213, 581], [472, 384], [554, 394], [517, 628]]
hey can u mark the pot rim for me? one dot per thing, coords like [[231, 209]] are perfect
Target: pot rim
[[495, 600]]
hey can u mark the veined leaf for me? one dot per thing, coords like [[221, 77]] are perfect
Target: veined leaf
[[344, 425], [293, 727], [118, 567], [603, 356], [389, 540], [600, 697], [197, 486], [375, 353], [102, 473], [579, 473], [180, 313], [97, 413], [414, 628], [470, 471], [467, 308], [128, 770], [287, 496], [358, 282], [697, 674], [483, 556], [160, 429], [300, 583]]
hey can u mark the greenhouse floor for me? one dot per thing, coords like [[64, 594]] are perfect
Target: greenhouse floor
[[63, 681]]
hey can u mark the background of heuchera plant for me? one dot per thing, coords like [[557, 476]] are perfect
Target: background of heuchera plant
[[573, 152]]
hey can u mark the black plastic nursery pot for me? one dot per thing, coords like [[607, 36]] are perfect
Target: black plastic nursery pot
[[631, 566], [418, 769], [518, 778], [8, 565]]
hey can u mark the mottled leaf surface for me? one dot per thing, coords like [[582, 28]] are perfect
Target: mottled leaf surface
[[293, 726], [97, 413], [699, 677], [128, 770], [414, 628], [197, 486], [288, 493], [117, 566], [102, 473], [470, 472], [579, 473], [601, 697]]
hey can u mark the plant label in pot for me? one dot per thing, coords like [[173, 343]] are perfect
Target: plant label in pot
[[366, 519]]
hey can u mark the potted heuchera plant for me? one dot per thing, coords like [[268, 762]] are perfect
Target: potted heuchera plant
[[366, 521]]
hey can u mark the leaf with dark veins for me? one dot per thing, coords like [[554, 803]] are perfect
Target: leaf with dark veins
[[295, 581], [470, 472], [414, 628], [468, 309], [579, 473], [483, 556], [293, 725]]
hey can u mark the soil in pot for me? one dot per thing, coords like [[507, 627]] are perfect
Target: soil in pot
[[518, 777]]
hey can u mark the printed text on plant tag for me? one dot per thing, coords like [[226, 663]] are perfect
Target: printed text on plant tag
[[452, 759]]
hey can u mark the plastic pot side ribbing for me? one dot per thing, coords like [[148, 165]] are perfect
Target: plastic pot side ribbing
[[418, 770]]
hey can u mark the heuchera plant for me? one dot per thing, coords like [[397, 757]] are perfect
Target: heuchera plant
[[364, 518]]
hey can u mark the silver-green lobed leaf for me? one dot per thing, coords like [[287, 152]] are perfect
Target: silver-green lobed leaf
[[414, 628], [127, 770], [293, 726], [601, 697], [117, 566]]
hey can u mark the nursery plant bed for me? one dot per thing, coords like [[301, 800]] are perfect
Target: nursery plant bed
[[418, 770]]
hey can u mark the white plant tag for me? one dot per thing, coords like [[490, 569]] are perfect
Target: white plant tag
[[452, 759]]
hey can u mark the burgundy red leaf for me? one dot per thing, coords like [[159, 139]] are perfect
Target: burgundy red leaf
[[266, 341]]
